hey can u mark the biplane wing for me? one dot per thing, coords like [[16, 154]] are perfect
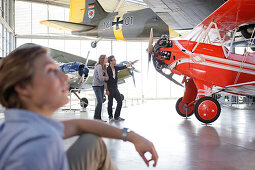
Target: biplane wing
[[231, 15], [245, 89]]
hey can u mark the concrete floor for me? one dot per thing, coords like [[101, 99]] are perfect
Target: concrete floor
[[227, 144]]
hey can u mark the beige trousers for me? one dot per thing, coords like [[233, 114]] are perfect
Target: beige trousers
[[89, 152]]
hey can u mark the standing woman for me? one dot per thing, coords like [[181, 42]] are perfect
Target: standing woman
[[99, 78]]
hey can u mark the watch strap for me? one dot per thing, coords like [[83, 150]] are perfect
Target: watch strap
[[124, 133]]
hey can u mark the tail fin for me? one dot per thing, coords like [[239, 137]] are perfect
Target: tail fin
[[86, 12]]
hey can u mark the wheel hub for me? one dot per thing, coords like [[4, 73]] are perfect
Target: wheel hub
[[207, 110]]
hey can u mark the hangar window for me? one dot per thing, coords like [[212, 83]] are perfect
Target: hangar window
[[6, 27]]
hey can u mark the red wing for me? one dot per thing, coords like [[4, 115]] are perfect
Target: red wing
[[246, 89], [230, 15]]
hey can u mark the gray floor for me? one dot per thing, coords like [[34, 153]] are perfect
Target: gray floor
[[227, 144]]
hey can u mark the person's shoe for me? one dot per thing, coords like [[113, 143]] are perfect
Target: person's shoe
[[111, 119], [101, 120], [119, 119]]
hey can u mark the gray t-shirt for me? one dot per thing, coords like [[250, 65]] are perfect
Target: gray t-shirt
[[98, 79]]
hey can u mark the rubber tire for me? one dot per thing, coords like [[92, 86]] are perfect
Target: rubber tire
[[178, 110], [104, 98], [84, 102], [93, 44], [122, 97], [199, 102]]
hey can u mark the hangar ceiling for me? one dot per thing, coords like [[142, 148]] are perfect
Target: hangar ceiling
[[63, 3], [109, 5]]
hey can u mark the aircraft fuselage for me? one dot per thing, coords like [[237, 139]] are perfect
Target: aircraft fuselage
[[208, 64], [128, 26]]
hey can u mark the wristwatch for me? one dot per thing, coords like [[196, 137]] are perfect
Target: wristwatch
[[124, 133]]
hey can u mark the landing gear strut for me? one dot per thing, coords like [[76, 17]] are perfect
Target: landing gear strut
[[83, 101]]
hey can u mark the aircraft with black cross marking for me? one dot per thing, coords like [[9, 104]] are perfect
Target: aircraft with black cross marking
[[88, 18]]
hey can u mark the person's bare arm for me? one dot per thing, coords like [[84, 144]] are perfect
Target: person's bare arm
[[106, 89], [79, 126], [131, 63]]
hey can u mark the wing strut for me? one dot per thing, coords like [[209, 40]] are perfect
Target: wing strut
[[231, 45], [205, 35], [245, 56], [118, 6]]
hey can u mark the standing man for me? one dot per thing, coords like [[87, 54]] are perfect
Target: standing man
[[112, 87]]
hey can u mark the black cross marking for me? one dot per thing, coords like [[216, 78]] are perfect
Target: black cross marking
[[117, 23]]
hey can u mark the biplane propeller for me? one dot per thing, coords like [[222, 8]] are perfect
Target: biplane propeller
[[156, 61]]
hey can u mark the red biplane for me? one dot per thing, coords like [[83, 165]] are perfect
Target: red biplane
[[207, 65]]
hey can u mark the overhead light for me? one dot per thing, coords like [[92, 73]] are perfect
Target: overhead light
[[139, 2]]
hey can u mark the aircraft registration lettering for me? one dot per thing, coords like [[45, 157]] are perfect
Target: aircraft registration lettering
[[129, 20], [107, 24], [196, 58]]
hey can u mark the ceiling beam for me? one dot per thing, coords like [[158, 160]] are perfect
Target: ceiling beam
[[62, 3]]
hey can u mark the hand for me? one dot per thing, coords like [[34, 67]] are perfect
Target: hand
[[134, 61], [104, 77], [107, 92], [142, 146]]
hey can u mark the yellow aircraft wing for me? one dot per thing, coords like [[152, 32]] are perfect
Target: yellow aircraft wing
[[67, 26]]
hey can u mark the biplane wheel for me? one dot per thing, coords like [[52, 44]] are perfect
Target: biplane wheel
[[181, 109], [84, 102], [122, 97], [207, 109], [104, 98]]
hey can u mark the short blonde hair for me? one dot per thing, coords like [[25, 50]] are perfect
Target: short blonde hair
[[17, 68]]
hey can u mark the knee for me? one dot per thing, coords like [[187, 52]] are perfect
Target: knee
[[100, 103], [92, 141], [88, 136], [88, 152], [109, 101], [119, 102]]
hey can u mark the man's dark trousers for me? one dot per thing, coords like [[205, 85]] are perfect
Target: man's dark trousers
[[114, 93]]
